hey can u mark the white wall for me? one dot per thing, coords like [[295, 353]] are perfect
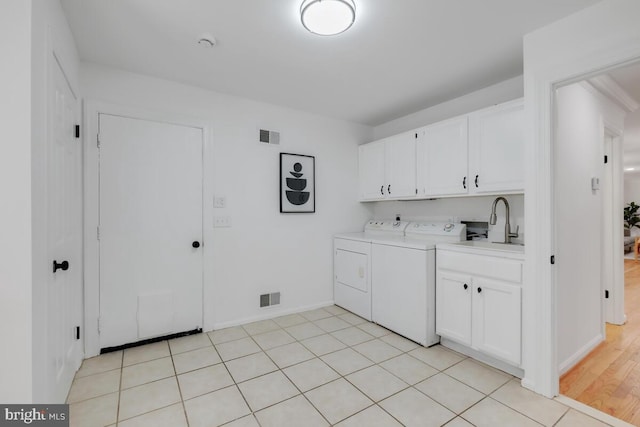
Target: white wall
[[264, 250], [477, 208], [495, 94], [598, 37], [632, 152], [579, 150], [457, 208], [15, 190], [631, 188], [50, 33]]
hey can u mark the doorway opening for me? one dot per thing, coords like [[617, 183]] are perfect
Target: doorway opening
[[596, 132]]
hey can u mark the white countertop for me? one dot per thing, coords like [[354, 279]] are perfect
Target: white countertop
[[480, 247]]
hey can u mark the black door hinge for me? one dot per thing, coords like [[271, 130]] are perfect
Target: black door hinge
[[606, 159], [553, 259], [606, 294], [77, 332], [77, 131], [416, 135]]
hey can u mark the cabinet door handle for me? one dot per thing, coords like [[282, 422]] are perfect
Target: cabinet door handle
[[464, 182], [381, 190], [479, 290], [389, 189], [477, 180], [465, 286]]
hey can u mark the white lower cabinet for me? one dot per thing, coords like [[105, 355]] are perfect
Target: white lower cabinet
[[453, 306], [496, 310], [480, 309]]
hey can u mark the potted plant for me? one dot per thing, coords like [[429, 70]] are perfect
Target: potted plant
[[631, 217]]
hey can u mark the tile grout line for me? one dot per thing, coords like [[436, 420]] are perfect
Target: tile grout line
[[293, 383], [175, 371], [235, 384], [120, 390], [281, 328]]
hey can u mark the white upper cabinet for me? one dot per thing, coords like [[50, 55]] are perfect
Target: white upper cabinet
[[387, 168], [496, 148], [371, 170], [478, 153], [442, 158], [400, 165]]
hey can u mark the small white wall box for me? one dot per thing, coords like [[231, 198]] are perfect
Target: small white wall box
[[595, 183]]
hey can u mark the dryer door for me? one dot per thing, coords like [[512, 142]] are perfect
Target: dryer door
[[352, 276], [352, 269]]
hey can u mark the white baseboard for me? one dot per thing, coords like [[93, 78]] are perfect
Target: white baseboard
[[269, 315], [580, 354], [474, 354]]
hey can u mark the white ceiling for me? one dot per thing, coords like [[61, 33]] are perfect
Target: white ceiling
[[399, 56]]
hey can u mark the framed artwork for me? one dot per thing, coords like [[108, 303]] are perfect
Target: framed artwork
[[297, 183]]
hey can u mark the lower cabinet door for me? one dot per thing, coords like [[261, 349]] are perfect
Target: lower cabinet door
[[497, 319], [453, 306]]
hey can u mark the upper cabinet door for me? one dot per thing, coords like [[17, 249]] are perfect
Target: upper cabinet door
[[496, 148], [400, 165], [442, 158], [371, 170]]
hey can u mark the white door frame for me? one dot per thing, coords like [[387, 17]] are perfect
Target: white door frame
[[91, 204], [599, 38], [613, 231]]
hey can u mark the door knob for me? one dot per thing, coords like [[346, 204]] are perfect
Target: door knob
[[196, 244], [64, 265], [466, 286], [479, 290]]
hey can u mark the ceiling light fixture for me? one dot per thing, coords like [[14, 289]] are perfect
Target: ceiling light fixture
[[207, 40], [327, 17]]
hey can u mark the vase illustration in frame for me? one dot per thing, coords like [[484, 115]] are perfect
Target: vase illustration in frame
[[297, 183]]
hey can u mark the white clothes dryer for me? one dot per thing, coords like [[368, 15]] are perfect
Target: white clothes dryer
[[352, 264]]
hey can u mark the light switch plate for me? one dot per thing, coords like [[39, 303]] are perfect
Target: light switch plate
[[219, 202], [221, 221]]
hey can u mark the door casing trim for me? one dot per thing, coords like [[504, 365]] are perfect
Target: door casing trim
[[91, 111]]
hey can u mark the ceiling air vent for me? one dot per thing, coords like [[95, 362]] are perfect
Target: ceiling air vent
[[269, 137]]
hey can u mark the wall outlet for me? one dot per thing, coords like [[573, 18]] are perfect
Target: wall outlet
[[221, 221], [219, 202]]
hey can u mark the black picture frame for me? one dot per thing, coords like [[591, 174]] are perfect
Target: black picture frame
[[297, 183]]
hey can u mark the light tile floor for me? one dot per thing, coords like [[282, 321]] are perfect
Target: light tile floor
[[317, 368]]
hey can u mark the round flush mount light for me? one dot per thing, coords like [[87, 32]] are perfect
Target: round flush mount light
[[327, 17]]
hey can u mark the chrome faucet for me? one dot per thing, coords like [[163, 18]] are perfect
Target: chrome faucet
[[507, 227]]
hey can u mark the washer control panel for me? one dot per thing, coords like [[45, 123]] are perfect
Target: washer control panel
[[437, 229], [385, 225]]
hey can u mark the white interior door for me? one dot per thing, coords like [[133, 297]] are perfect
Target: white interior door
[[150, 229], [64, 237]]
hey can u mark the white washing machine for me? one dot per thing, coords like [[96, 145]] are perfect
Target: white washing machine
[[404, 279], [352, 264]]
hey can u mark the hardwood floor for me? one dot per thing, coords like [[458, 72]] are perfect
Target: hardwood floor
[[609, 378]]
